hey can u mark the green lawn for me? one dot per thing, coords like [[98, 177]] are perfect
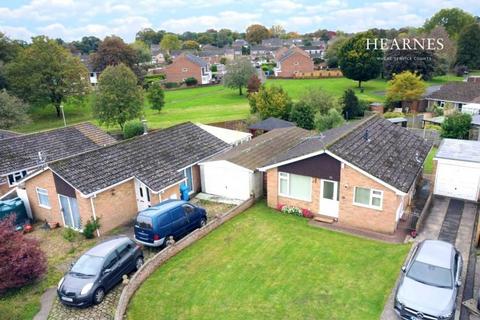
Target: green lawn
[[428, 167], [267, 265]]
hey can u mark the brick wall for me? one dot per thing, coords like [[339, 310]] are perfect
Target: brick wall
[[289, 66], [175, 71], [173, 190], [45, 181], [4, 188]]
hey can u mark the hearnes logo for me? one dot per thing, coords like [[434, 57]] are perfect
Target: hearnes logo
[[386, 44]]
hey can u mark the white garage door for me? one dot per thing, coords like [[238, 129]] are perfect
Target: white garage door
[[225, 180], [457, 181]]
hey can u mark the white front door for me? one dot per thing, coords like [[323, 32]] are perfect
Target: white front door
[[329, 198], [143, 195]]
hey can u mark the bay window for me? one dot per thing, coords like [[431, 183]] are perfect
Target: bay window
[[294, 186], [368, 197]]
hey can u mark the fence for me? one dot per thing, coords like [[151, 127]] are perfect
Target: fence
[[160, 258], [319, 74], [432, 136]]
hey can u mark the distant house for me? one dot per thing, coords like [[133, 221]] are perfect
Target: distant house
[[277, 42], [113, 183], [317, 51], [93, 74], [292, 62], [188, 66], [24, 154], [238, 46], [268, 125], [457, 94], [157, 55], [260, 51]]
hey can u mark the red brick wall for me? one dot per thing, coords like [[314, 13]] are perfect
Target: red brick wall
[[4, 188], [289, 67], [175, 73]]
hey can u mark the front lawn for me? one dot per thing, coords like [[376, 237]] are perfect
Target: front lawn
[[267, 265]]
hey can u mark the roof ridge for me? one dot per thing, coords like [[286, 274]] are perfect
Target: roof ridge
[[21, 134], [355, 127]]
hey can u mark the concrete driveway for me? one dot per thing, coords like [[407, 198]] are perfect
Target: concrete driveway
[[449, 220]]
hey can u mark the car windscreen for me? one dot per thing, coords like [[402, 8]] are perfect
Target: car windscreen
[[144, 222], [88, 265], [430, 275]]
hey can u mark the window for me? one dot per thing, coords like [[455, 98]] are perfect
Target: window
[[189, 175], [42, 196], [110, 260], [295, 186], [124, 249], [188, 209], [15, 177], [184, 69], [296, 63], [368, 197]]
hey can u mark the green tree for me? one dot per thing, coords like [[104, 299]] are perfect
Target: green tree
[[113, 51], [319, 100], [456, 126], [331, 55], [238, 72], [454, 20], [118, 98], [46, 73], [190, 45], [468, 53], [303, 115], [87, 45], [170, 42], [142, 51], [327, 121], [149, 36], [277, 31], [405, 87], [422, 62], [271, 101], [13, 111], [8, 51], [156, 96], [256, 33], [357, 62], [351, 106]]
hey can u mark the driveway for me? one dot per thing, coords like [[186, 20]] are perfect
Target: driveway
[[449, 220]]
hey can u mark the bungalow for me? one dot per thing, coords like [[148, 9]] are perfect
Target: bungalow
[[360, 175], [186, 66], [292, 62], [24, 154], [115, 182], [455, 93]]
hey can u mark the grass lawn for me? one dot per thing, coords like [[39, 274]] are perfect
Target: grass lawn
[[267, 265], [428, 167]]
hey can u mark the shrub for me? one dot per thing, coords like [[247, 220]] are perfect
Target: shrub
[[292, 210], [191, 81], [90, 227], [328, 121], [156, 96], [431, 126], [132, 129], [21, 259], [253, 84], [170, 85], [460, 70], [69, 234], [389, 115], [307, 213], [456, 126], [214, 68], [303, 115]]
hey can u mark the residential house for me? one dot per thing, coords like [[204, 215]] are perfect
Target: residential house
[[315, 52], [114, 182], [360, 175], [157, 55], [260, 51], [239, 46], [186, 66], [93, 74], [293, 61], [23, 154], [456, 94], [234, 174], [268, 125]]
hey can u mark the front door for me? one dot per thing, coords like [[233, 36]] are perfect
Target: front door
[[69, 208], [143, 195], [329, 198]]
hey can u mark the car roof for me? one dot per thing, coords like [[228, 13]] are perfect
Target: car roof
[[104, 248], [162, 207], [436, 252]]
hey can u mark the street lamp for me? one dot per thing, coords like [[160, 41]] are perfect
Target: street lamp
[[63, 115]]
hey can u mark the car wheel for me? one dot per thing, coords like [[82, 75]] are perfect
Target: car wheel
[[203, 223], [138, 263], [98, 296]]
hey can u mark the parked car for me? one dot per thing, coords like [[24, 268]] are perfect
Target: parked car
[[176, 218], [99, 270], [430, 282]]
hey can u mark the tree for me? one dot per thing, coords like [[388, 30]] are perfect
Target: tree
[[419, 61], [46, 73], [331, 55], [469, 47], [277, 31], [118, 98], [352, 107], [8, 51], [271, 101], [21, 258], [256, 33], [170, 42], [142, 51], [191, 45], [405, 87], [303, 115], [253, 84], [238, 72], [113, 51], [327, 121], [319, 100], [456, 126], [445, 57], [149, 36], [13, 111], [454, 20], [357, 62], [156, 96], [87, 45]]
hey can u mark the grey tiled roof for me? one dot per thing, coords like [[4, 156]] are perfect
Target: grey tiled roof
[[21, 152], [196, 60], [260, 150], [5, 134], [154, 159], [457, 91], [270, 124]]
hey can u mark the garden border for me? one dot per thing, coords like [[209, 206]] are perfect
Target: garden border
[[160, 258]]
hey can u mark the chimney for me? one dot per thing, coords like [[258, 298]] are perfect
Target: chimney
[[145, 128]]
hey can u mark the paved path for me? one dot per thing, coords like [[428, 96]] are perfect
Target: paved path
[[46, 302]]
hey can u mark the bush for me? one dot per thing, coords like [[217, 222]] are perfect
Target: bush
[[456, 126], [156, 96], [389, 115], [191, 81], [460, 70], [430, 126], [303, 115], [328, 121], [132, 128], [90, 227], [170, 85], [21, 259], [69, 234], [292, 210], [214, 68], [253, 84]]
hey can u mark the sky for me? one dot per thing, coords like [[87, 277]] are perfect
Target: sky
[[72, 19]]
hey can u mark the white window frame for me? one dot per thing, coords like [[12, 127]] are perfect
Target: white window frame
[[184, 69], [370, 206], [286, 176], [17, 176], [296, 63], [44, 193]]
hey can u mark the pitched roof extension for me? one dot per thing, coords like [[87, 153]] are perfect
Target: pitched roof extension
[[270, 124]]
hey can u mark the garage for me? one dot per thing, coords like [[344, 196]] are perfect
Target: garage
[[458, 169]]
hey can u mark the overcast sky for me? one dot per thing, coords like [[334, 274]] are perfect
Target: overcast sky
[[72, 19]]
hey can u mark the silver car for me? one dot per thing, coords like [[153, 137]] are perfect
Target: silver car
[[430, 282]]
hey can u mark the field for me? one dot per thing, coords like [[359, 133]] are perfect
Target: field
[[268, 265], [210, 104]]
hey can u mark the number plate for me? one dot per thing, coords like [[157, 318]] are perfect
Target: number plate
[[67, 299]]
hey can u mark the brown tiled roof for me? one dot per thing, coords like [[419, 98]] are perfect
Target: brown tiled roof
[[291, 52], [458, 91]]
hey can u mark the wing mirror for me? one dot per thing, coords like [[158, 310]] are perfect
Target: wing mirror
[[458, 283], [107, 271], [404, 268]]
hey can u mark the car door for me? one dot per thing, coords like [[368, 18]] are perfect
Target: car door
[[110, 278], [179, 222], [125, 262], [191, 216]]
